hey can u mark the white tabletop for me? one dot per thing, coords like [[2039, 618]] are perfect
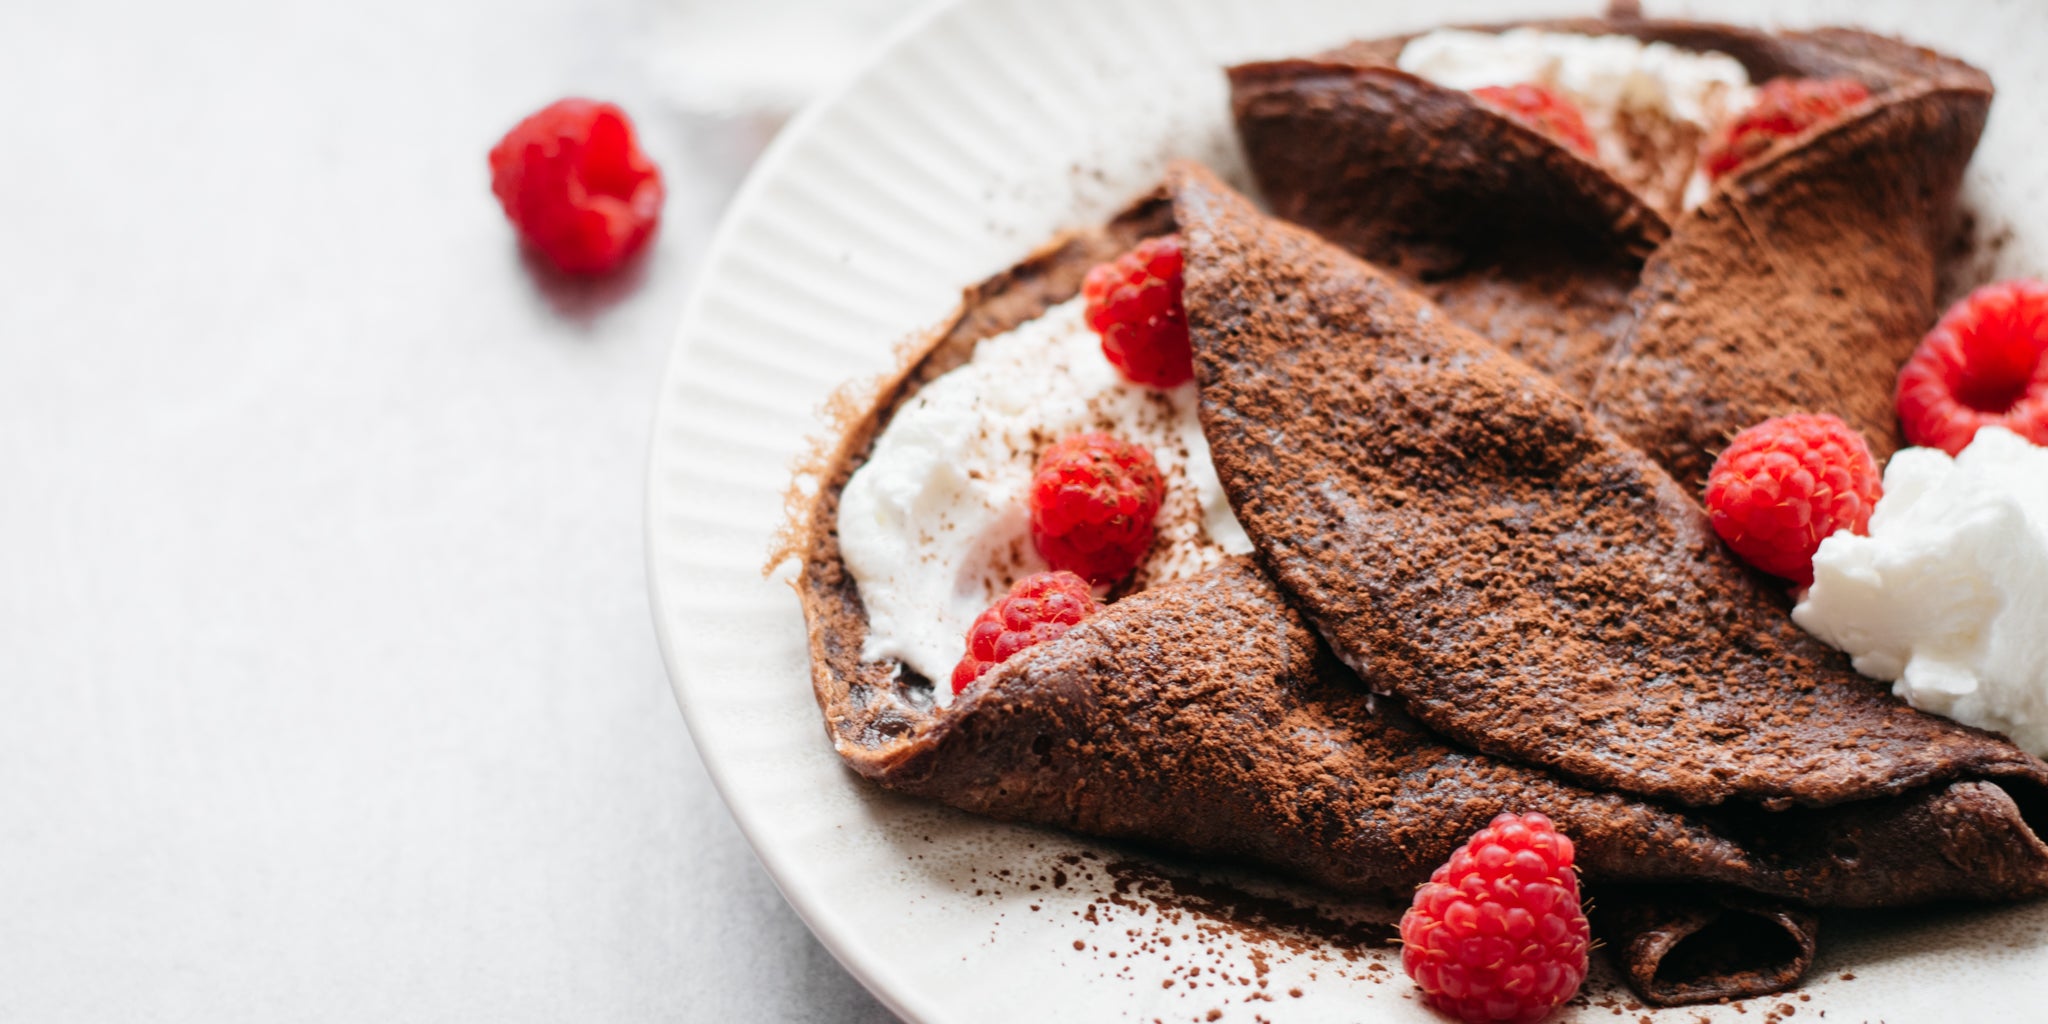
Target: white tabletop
[[330, 691]]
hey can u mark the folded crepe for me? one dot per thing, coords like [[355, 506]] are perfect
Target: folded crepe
[[1804, 282], [1471, 539], [1800, 284], [1206, 717], [1519, 237]]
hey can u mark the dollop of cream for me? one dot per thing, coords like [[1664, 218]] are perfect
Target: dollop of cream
[[1613, 79], [1947, 597], [934, 526]]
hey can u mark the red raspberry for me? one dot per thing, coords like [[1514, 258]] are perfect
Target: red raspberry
[[1038, 608], [1984, 364], [1784, 485], [1134, 303], [1093, 500], [1496, 934], [1543, 110], [576, 185], [1784, 107]]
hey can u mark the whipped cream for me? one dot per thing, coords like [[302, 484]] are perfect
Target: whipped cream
[[1614, 80], [1947, 598], [934, 526]]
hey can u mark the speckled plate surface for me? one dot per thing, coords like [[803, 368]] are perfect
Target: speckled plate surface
[[981, 129]]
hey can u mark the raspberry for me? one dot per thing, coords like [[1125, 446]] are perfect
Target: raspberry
[[1038, 608], [1543, 110], [1134, 302], [1784, 485], [1984, 364], [576, 185], [1496, 934], [1784, 107], [1093, 500]]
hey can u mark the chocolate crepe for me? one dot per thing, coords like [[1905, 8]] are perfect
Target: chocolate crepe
[[1474, 541], [1804, 282], [1513, 234], [1801, 284], [1205, 717], [1520, 238]]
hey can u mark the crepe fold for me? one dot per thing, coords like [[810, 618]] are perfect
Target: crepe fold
[[1511, 233], [1205, 717], [1209, 717], [1473, 540], [1800, 284]]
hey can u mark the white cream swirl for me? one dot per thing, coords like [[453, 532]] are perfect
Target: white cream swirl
[[934, 525]]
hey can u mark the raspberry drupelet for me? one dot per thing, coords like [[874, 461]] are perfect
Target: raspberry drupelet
[[1497, 936], [1094, 502], [1784, 107], [1543, 110], [1134, 303], [1782, 486], [1984, 364], [1038, 608], [574, 182]]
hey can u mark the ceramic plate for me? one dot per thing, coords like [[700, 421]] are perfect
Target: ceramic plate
[[981, 129]]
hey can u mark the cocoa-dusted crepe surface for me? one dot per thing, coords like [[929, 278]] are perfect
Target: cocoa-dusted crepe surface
[[1800, 284], [1476, 542]]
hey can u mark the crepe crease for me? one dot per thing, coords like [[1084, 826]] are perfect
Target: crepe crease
[[1217, 716]]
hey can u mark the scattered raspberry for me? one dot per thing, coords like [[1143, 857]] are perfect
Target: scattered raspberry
[[1784, 485], [574, 182], [1784, 107], [1984, 364], [1093, 500], [1496, 934], [1543, 110], [1134, 303], [1038, 608]]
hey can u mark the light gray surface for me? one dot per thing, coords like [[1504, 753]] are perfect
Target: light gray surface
[[330, 690]]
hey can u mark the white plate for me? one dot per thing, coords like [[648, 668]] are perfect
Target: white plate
[[980, 130]]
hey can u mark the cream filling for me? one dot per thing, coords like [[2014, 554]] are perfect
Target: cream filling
[[1637, 97], [934, 526]]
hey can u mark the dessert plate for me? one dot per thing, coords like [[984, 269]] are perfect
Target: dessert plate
[[981, 129]]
